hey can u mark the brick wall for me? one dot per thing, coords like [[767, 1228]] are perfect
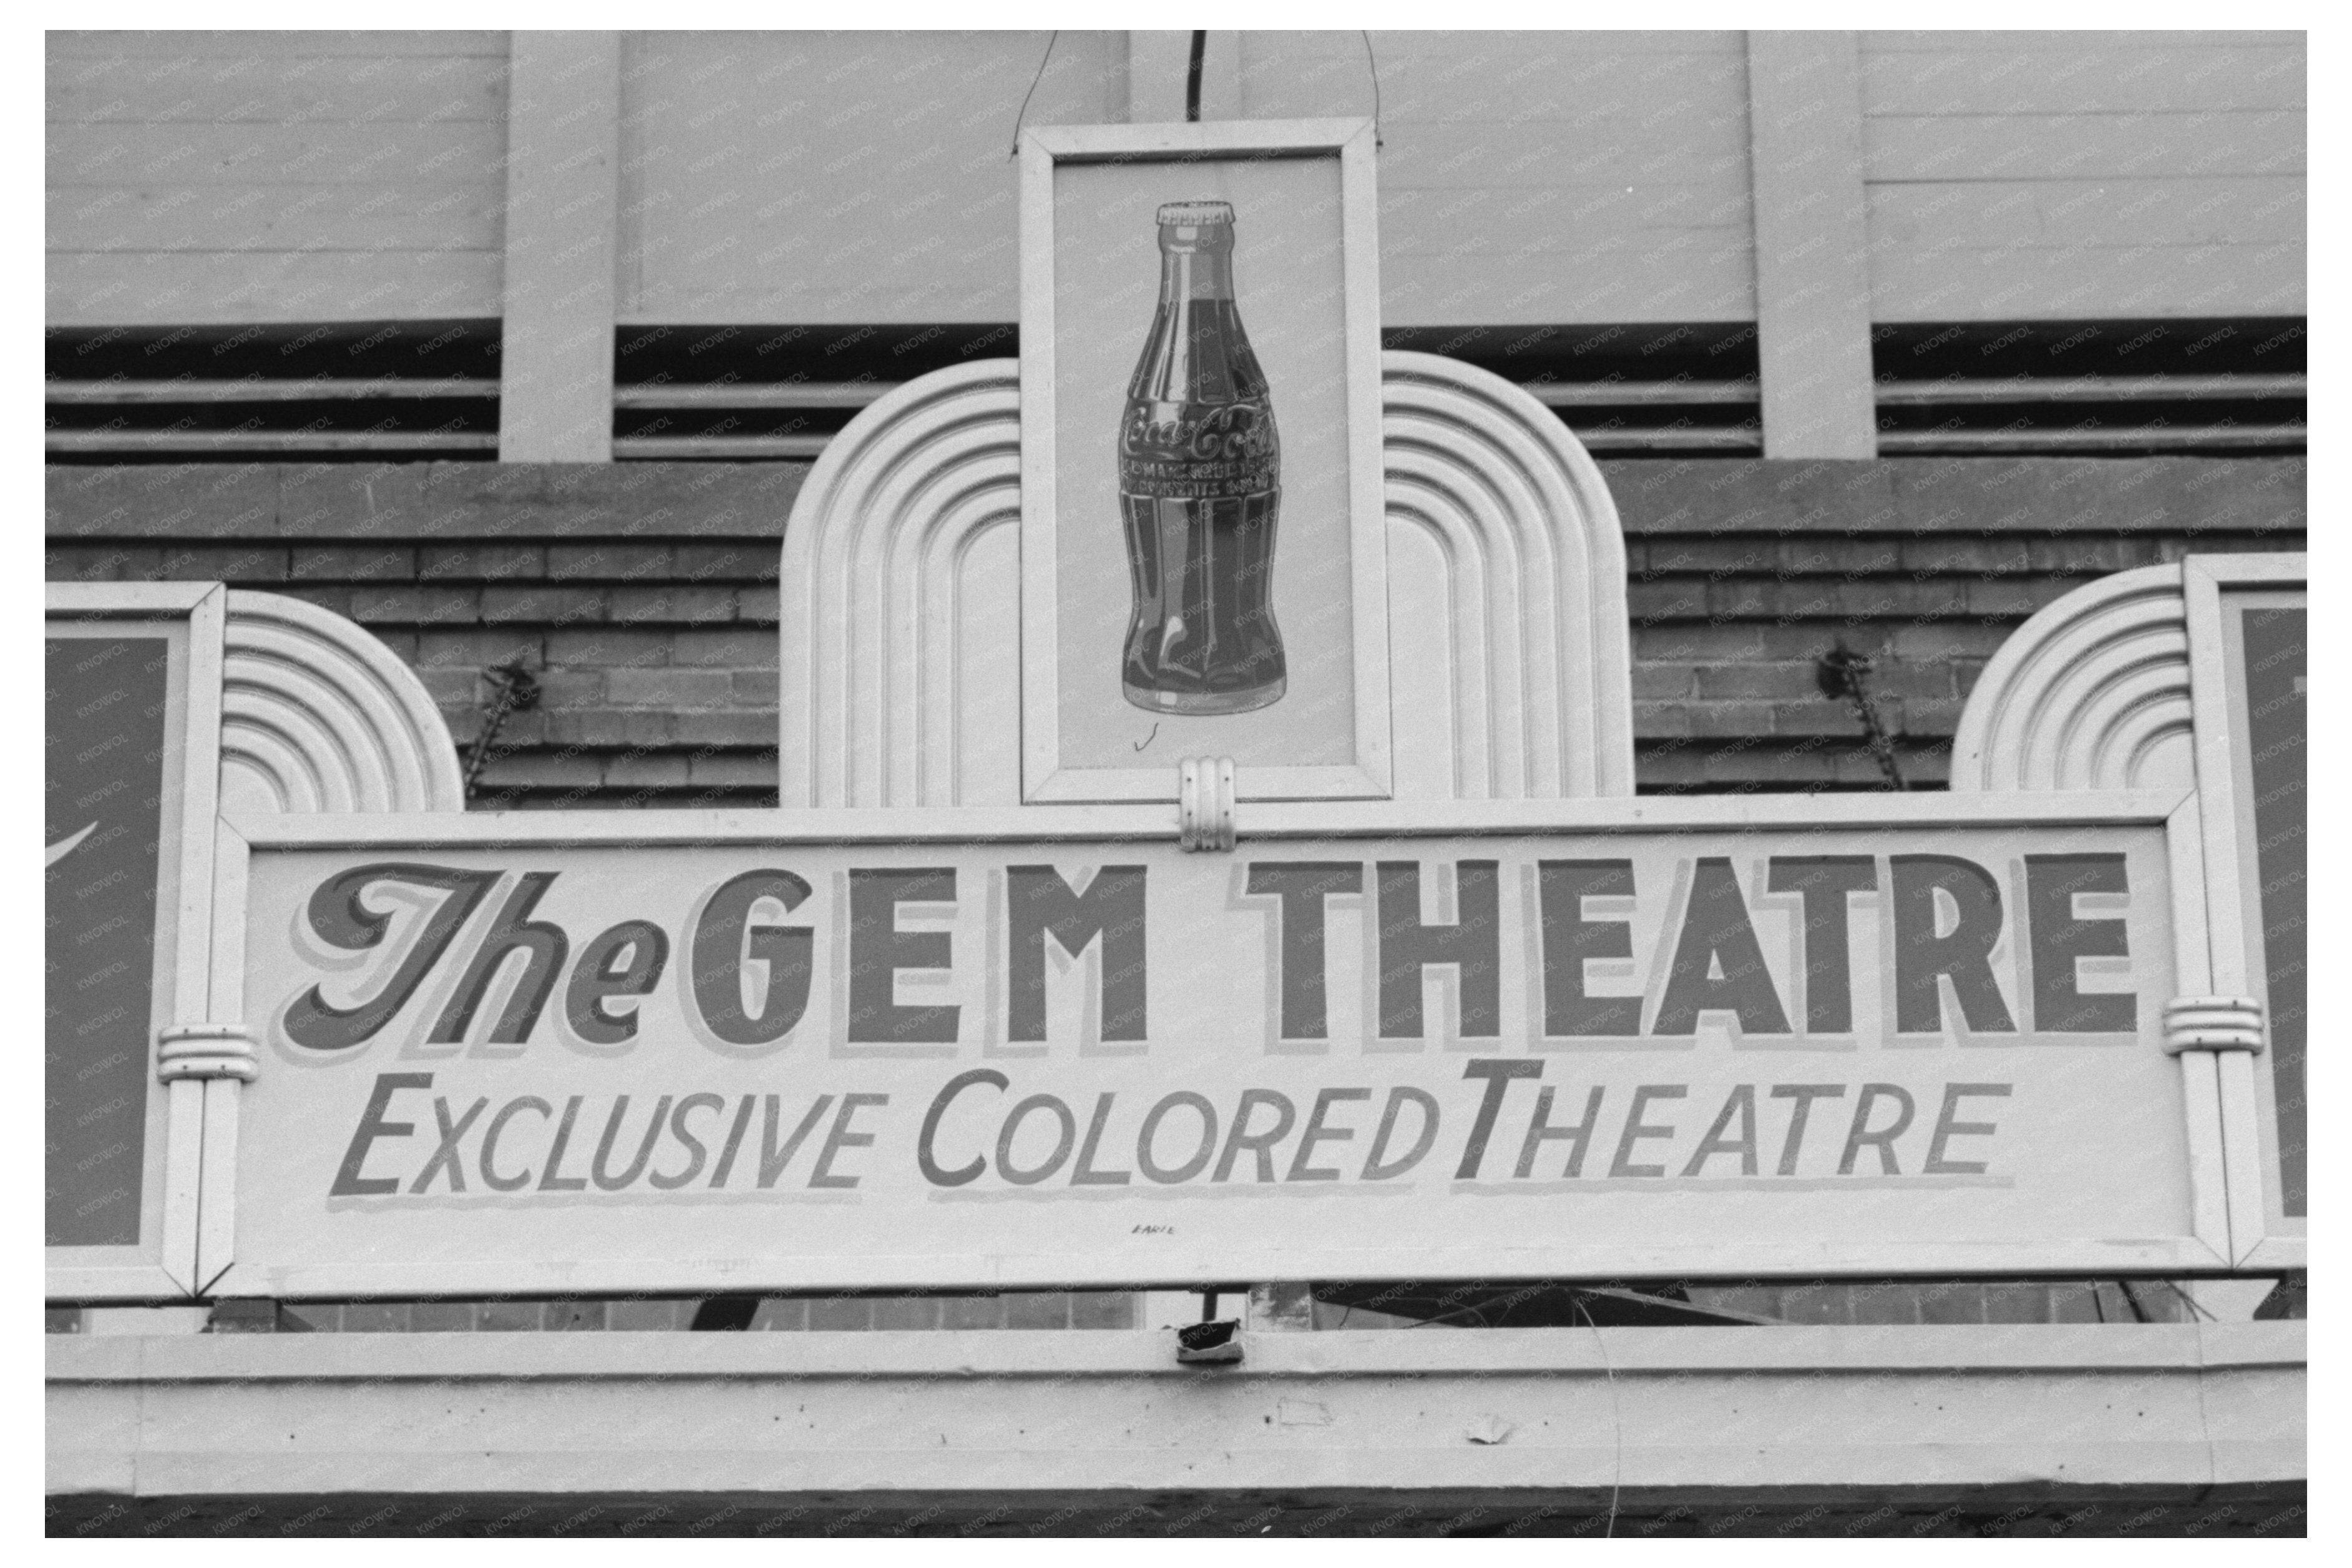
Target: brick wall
[[1742, 573], [642, 596]]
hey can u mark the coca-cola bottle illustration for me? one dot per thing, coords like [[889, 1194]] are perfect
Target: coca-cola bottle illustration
[[1199, 486]]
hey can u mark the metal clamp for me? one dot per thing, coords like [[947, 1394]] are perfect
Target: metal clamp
[[1205, 803], [2212, 1023], [206, 1050]]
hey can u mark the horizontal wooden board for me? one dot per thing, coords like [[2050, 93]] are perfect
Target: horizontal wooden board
[[1549, 221], [1977, 214], [272, 45], [207, 90], [202, 288], [2026, 283], [2114, 75], [1468, 153], [399, 215], [2061, 40], [1693, 277], [1494, 75], [2083, 146], [462, 153]]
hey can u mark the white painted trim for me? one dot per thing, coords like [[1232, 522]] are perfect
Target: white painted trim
[[1017, 1353], [110, 1282], [1259, 820], [216, 1217], [121, 598], [317, 714], [561, 277], [2193, 975], [2261, 1234], [1775, 1260], [1813, 245], [189, 617], [1045, 777], [876, 696], [1267, 138], [2085, 694], [1541, 644], [1793, 1409], [272, 701], [2127, 680]]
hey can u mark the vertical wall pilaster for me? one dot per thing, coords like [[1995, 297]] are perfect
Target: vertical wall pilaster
[[1812, 267], [563, 133]]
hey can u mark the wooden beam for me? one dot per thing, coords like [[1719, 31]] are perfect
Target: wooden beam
[[563, 133], [1812, 272], [1672, 1410]]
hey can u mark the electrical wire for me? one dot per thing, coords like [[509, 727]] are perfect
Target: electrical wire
[[1051, 39], [1374, 66], [1617, 1419]]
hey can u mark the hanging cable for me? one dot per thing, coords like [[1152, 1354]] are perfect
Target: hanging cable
[[1051, 40], [1617, 1419], [1374, 66], [1193, 77]]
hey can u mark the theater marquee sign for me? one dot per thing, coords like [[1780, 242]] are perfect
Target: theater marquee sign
[[1572, 1037], [1254, 982]]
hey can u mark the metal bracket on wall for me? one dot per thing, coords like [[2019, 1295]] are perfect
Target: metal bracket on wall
[[202, 1051], [1205, 803], [2212, 1023]]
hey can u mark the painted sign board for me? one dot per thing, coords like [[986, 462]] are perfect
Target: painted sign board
[[1044, 1047], [129, 743], [2249, 664]]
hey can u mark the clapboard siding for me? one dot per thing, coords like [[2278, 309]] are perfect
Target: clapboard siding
[[1975, 214], [1536, 178], [159, 44], [255, 90], [2047, 175], [1525, 178], [1552, 178], [837, 177], [398, 214], [1912, 284], [2112, 73], [199, 288], [221, 177], [2025, 147]]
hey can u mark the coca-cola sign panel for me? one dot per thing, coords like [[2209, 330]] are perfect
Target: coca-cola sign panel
[[1203, 547]]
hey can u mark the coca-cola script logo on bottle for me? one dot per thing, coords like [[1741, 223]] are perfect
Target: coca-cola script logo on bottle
[[1199, 488], [1171, 451]]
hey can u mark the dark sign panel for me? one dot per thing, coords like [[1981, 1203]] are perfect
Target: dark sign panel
[[2275, 675], [106, 740]]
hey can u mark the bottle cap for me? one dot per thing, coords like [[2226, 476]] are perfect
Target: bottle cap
[[1196, 213]]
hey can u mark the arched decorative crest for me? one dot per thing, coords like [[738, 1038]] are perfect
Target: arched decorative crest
[[900, 581], [318, 715], [2091, 693]]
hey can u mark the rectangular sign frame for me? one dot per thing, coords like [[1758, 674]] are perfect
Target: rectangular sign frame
[[2263, 1235], [192, 618], [2202, 1247], [1047, 776]]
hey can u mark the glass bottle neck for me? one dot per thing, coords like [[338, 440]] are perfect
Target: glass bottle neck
[[1195, 272]]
